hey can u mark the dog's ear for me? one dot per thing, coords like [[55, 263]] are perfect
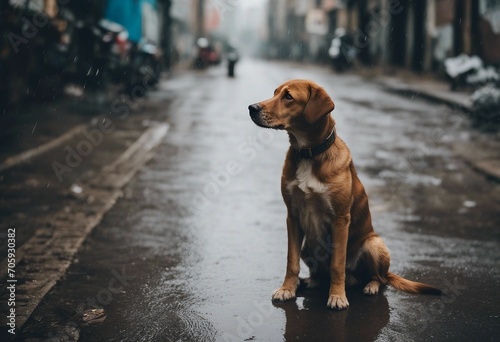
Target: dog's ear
[[318, 105]]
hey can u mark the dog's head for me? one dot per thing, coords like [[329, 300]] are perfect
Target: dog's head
[[296, 103]]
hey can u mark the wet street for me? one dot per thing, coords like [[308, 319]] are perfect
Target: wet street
[[197, 244]]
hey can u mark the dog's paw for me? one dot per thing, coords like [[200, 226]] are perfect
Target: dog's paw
[[283, 294], [337, 302], [309, 283], [371, 288]]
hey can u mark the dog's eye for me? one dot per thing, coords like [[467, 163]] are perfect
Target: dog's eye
[[288, 96]]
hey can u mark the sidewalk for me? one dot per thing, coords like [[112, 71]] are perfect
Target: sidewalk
[[59, 179], [428, 86], [483, 155], [434, 90]]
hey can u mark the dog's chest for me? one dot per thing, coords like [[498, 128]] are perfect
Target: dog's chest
[[305, 179], [309, 199]]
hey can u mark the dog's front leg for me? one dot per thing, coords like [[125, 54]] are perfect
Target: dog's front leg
[[295, 237], [337, 298]]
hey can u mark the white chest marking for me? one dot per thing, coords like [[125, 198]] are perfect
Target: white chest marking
[[310, 202], [305, 179]]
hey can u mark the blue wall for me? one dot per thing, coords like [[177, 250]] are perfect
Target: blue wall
[[129, 14]]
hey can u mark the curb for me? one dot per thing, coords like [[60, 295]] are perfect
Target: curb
[[483, 159], [29, 154], [441, 97]]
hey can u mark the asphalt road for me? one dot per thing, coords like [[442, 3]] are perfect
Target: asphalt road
[[194, 249]]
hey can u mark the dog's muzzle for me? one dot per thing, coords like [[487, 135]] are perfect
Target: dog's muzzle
[[255, 111]]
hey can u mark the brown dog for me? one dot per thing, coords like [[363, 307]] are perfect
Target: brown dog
[[328, 215]]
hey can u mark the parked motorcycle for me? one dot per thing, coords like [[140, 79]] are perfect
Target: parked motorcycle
[[106, 55], [103, 53], [144, 69], [342, 51]]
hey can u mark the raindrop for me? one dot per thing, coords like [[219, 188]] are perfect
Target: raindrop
[[76, 189]]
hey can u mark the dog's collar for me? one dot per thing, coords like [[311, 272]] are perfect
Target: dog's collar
[[311, 152]]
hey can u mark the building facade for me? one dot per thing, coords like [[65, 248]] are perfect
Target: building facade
[[415, 34]]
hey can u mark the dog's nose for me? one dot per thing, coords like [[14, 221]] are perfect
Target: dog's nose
[[254, 109]]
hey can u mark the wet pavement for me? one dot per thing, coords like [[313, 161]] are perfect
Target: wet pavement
[[197, 244]]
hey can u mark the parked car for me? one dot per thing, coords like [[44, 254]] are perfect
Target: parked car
[[206, 54]]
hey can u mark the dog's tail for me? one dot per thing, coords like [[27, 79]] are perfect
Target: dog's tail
[[409, 286]]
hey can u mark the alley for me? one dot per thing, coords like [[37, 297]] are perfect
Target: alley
[[196, 245]]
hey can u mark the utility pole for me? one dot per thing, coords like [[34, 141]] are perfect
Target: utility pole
[[167, 44], [200, 18]]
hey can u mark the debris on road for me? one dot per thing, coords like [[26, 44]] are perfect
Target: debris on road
[[91, 316]]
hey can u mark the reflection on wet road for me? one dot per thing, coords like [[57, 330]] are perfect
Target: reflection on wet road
[[201, 236]]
